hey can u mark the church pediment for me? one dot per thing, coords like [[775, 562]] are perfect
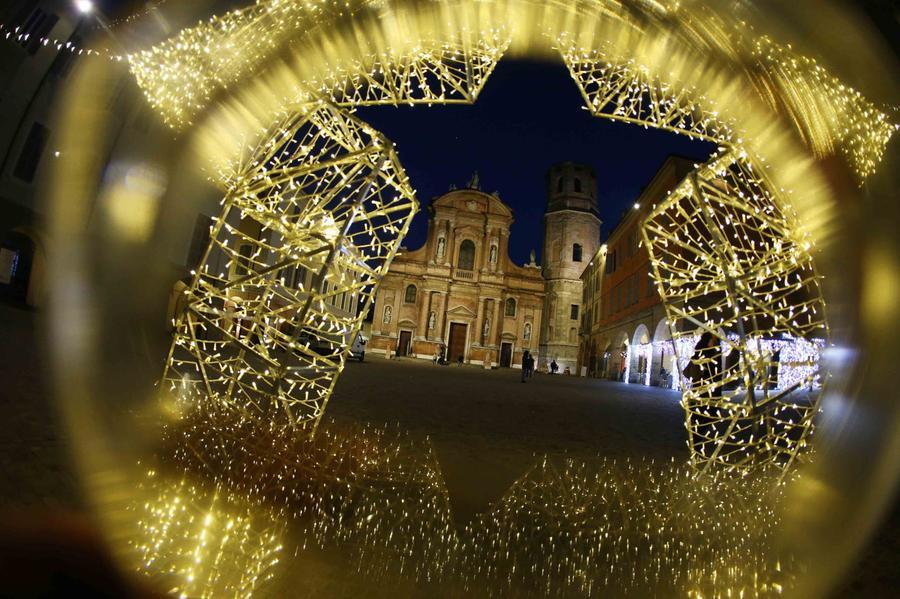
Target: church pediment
[[406, 323], [461, 311], [473, 201]]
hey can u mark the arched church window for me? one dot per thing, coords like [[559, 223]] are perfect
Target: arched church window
[[576, 185], [576, 252], [410, 297], [511, 307], [466, 259]]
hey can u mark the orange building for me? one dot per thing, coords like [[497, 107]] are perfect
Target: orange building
[[624, 327]]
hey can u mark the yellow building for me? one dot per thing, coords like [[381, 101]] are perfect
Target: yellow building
[[460, 290]]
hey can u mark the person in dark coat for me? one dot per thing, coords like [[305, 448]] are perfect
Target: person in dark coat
[[706, 365], [530, 364], [526, 360]]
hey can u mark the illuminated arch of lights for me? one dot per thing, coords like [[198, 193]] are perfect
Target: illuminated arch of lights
[[322, 191]]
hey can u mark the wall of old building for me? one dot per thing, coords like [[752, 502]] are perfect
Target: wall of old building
[[625, 308]]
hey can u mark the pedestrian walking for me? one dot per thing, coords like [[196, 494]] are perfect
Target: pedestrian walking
[[530, 364], [705, 366], [553, 367], [526, 359]]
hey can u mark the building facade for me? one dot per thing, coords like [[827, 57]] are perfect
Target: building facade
[[624, 332], [571, 237], [31, 74], [460, 291], [42, 50]]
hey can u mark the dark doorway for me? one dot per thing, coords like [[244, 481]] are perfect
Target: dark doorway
[[403, 345], [457, 342], [17, 257], [505, 355]]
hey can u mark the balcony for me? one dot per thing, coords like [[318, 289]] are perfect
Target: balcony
[[466, 275]]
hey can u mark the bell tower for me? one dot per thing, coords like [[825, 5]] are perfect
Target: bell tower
[[571, 237]]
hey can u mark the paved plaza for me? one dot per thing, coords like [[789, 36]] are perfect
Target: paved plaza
[[487, 428]]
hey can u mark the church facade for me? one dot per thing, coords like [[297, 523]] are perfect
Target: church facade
[[460, 291]]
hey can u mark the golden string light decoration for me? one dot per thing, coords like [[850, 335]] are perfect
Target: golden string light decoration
[[625, 527], [375, 495], [182, 75], [835, 117], [235, 344], [431, 73], [623, 90], [196, 542], [18, 34], [374, 499], [310, 222], [729, 260]]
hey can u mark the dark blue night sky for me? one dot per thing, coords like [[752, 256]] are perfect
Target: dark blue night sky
[[528, 117]]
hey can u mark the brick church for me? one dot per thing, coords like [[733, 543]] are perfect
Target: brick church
[[461, 290]]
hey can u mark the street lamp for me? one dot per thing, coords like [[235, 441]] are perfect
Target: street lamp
[[84, 6]]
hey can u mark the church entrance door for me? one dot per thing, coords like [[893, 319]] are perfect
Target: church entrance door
[[403, 344], [505, 355], [456, 346]]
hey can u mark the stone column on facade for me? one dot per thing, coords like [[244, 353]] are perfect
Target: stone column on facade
[[422, 332], [429, 306], [479, 319], [486, 256], [497, 329], [379, 313], [440, 315], [451, 243], [440, 232]]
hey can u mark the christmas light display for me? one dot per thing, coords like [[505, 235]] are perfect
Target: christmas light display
[[196, 542], [321, 199], [836, 117], [829, 115], [729, 259], [375, 494], [629, 92], [628, 527], [181, 75], [320, 194], [18, 34], [374, 498]]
